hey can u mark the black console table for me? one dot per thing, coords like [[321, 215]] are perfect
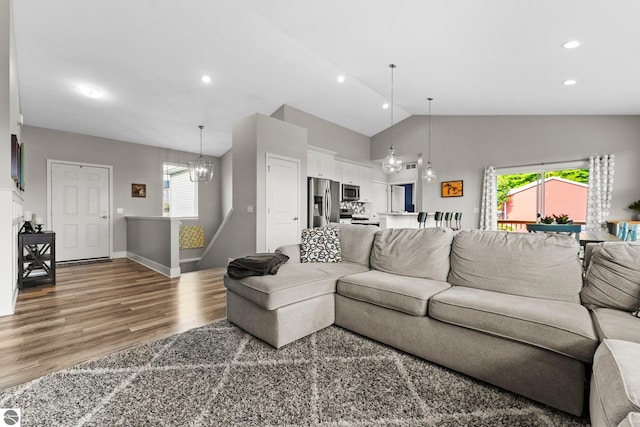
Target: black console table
[[36, 258]]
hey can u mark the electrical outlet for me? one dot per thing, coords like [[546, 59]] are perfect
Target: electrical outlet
[[250, 209]]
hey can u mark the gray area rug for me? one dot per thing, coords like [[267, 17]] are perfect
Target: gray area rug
[[218, 375]]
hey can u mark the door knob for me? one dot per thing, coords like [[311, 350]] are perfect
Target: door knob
[[295, 218], [103, 217]]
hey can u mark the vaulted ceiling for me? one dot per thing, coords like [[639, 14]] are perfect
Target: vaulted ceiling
[[489, 57]]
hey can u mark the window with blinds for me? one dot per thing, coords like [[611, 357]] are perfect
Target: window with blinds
[[180, 195]]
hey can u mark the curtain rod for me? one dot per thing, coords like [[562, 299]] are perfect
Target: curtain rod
[[542, 164]]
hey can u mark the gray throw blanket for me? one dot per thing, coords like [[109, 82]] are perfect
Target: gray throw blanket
[[256, 265]]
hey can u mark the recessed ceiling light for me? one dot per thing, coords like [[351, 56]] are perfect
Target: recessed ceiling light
[[571, 44], [206, 79], [341, 79], [90, 91], [569, 82], [385, 105]]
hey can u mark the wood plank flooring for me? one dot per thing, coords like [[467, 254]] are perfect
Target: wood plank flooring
[[98, 309]]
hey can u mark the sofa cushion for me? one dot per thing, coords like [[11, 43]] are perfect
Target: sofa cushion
[[559, 326], [413, 252], [293, 283], [631, 420], [616, 324], [615, 383], [320, 244], [613, 276], [540, 265], [406, 294], [356, 242]]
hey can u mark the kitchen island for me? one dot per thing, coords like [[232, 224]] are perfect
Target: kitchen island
[[399, 219]]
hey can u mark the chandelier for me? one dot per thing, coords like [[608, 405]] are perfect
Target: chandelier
[[200, 169], [391, 163], [429, 175]]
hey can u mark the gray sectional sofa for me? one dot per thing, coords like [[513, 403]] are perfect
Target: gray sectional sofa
[[502, 307]]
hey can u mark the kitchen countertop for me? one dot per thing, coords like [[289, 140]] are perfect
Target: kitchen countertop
[[398, 213]]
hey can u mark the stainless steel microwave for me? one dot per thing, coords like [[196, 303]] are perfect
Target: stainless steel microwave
[[350, 193]]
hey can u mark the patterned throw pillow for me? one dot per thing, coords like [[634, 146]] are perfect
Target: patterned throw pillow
[[637, 312], [320, 244]]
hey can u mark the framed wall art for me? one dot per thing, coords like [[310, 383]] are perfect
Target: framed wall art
[[15, 159], [451, 189], [138, 190]]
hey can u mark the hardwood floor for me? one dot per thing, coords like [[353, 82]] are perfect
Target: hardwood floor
[[98, 309]]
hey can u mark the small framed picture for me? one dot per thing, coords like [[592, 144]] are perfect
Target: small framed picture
[[451, 189], [138, 190], [15, 159]]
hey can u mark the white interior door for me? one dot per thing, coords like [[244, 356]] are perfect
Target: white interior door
[[283, 202], [397, 198], [80, 211]]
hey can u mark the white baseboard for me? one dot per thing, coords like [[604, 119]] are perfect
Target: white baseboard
[[189, 260], [162, 269], [119, 254]]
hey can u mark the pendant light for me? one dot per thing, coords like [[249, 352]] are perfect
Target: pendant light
[[391, 164], [429, 175], [200, 169]]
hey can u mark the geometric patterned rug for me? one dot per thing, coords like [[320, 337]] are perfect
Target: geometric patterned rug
[[218, 375]]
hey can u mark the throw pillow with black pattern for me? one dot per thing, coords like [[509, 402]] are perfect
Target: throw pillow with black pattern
[[637, 312], [320, 244]]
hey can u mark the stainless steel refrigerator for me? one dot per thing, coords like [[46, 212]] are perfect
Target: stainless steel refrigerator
[[323, 205]]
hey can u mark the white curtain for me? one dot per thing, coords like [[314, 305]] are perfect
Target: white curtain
[[489, 207], [601, 170]]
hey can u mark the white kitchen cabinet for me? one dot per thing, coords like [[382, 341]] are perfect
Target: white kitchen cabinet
[[319, 164], [364, 179], [337, 171], [325, 166], [350, 174]]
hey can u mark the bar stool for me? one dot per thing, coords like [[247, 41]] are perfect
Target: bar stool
[[447, 219], [458, 220], [422, 219], [438, 218]]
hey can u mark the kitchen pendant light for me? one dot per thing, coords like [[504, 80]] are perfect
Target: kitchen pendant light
[[200, 169], [391, 163], [429, 175]]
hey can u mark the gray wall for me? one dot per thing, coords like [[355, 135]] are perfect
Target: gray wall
[[132, 163], [253, 137], [284, 139], [322, 133], [462, 146], [10, 198], [149, 238], [226, 181], [9, 91]]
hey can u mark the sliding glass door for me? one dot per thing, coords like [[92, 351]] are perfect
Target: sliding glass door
[[532, 193]]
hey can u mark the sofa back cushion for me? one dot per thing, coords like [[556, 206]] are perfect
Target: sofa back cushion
[[356, 241], [540, 265], [413, 252], [613, 276]]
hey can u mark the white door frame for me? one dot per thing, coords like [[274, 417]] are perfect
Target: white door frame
[[50, 162], [290, 159], [413, 193]]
